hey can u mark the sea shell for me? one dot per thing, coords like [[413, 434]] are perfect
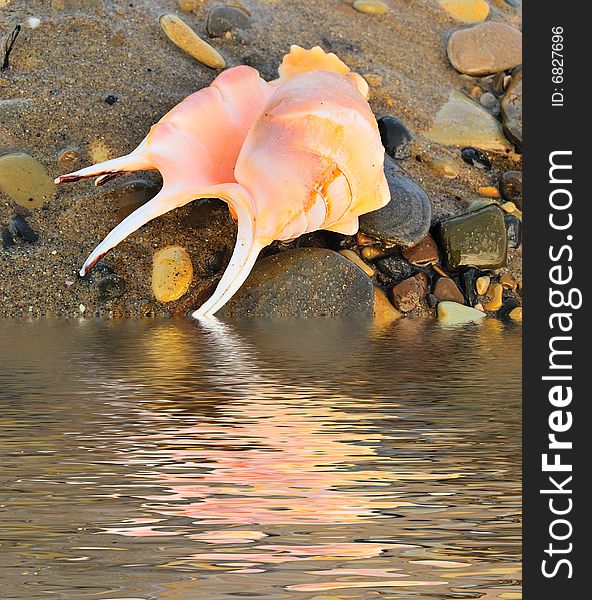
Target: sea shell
[[290, 156]]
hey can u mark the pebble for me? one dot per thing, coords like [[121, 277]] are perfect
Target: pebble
[[351, 255], [476, 158], [508, 281], [7, 239], [109, 287], [514, 231], [396, 269], [511, 109], [508, 207], [511, 187], [406, 219], [489, 101], [516, 314], [304, 283], [395, 136], [500, 83], [364, 240], [469, 279], [188, 5], [482, 284], [485, 49], [20, 228], [466, 11], [69, 156], [475, 239], [494, 294], [111, 99], [373, 7], [185, 38], [422, 254], [172, 273], [223, 19], [384, 311], [463, 122], [446, 167], [410, 293], [432, 300], [130, 195], [372, 252], [489, 191], [446, 289], [453, 313], [33, 22], [25, 180]]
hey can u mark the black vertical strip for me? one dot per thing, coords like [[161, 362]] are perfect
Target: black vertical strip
[[548, 538]]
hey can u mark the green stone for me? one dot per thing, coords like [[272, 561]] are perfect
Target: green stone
[[476, 239]]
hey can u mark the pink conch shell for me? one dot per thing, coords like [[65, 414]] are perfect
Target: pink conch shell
[[291, 156]]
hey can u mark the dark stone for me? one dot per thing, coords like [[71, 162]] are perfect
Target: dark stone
[[304, 283], [511, 109], [511, 187], [111, 99], [475, 239], [409, 294], [7, 239], [508, 306], [446, 289], [424, 253], [222, 19], [396, 269], [215, 262], [514, 229], [20, 228], [405, 220], [432, 300], [110, 287], [469, 278], [395, 136], [476, 158]]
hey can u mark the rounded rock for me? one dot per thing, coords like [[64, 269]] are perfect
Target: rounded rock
[[495, 300], [485, 49], [511, 187], [482, 285], [371, 7], [395, 136], [172, 273], [452, 313], [446, 167], [406, 219], [466, 11], [304, 283], [222, 19], [25, 180]]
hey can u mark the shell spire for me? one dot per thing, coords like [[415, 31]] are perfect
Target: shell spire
[[290, 156]]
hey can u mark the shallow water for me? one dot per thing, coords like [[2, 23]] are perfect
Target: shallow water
[[145, 460]]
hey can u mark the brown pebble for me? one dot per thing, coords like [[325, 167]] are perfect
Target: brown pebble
[[410, 293], [482, 285], [508, 281], [424, 253], [384, 311], [172, 273], [363, 240], [509, 207], [445, 167], [495, 297], [446, 289]]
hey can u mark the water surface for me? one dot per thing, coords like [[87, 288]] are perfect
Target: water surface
[[164, 460]]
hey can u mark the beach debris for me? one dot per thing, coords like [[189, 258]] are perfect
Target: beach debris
[[183, 36]]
